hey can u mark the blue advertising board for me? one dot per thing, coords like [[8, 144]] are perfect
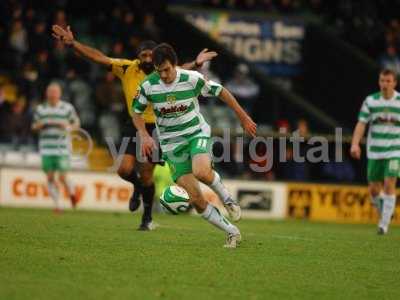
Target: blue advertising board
[[273, 44]]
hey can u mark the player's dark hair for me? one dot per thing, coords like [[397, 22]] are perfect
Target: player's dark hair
[[146, 45], [164, 52], [387, 72]]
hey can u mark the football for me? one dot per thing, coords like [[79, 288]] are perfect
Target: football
[[174, 200]]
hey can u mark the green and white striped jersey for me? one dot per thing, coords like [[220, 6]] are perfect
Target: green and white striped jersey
[[383, 117], [176, 106], [53, 140]]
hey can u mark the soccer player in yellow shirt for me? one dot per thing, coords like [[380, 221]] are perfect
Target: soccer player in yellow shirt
[[131, 73]]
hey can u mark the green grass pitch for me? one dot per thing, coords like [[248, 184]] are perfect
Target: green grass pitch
[[87, 255]]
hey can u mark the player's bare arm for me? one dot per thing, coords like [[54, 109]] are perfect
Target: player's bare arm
[[37, 126], [201, 58], [247, 123], [67, 37], [359, 130], [147, 142]]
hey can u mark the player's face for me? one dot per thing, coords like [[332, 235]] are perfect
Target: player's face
[[387, 83], [146, 61], [53, 94], [167, 72]]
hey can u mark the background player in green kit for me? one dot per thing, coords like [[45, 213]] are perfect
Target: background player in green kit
[[52, 120], [184, 135], [382, 112]]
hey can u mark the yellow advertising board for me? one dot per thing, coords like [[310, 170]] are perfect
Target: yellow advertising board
[[341, 203]]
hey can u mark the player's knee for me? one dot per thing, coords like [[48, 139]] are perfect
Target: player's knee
[[146, 178], [195, 197], [198, 202], [389, 189], [374, 190], [124, 171], [50, 178], [203, 174]]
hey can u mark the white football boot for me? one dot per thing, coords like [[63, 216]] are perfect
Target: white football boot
[[233, 240], [234, 210]]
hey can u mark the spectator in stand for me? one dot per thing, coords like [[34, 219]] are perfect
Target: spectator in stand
[[38, 39], [60, 55], [18, 123], [259, 162], [30, 15], [29, 83], [129, 27], [109, 96], [115, 22], [283, 126], [118, 50], [294, 168], [60, 18], [243, 87], [302, 128], [150, 27], [390, 60], [5, 110], [18, 40]]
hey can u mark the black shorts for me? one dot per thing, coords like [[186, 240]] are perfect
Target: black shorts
[[129, 131]]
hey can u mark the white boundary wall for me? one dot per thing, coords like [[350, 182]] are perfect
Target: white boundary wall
[[106, 191]]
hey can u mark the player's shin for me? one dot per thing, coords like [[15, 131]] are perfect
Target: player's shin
[[54, 193], [69, 186], [133, 178], [212, 215], [230, 204], [389, 204], [148, 199], [219, 188], [377, 201]]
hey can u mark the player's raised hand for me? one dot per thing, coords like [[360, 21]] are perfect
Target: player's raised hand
[[355, 151], [249, 125], [147, 145], [204, 56], [64, 35]]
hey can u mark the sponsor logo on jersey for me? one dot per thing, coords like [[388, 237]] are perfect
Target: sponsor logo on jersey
[[174, 109]]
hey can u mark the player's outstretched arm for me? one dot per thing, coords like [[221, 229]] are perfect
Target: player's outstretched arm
[[67, 37], [247, 123], [359, 130], [201, 58]]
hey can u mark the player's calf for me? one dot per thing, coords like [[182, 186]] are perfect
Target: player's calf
[[233, 208], [389, 204]]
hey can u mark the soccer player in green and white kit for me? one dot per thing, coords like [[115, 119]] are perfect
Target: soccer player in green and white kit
[[184, 135], [52, 120], [382, 111]]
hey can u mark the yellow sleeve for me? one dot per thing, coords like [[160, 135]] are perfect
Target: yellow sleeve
[[119, 66]]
